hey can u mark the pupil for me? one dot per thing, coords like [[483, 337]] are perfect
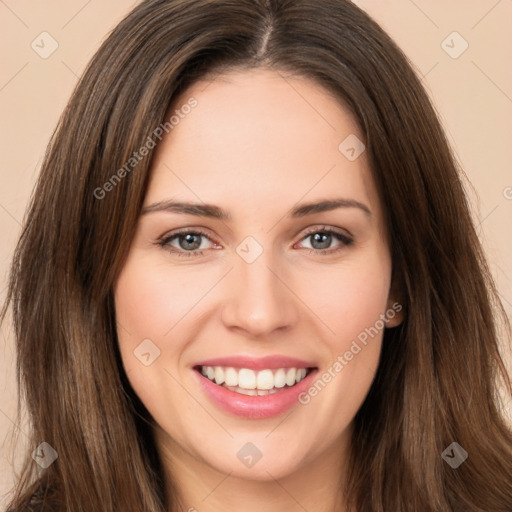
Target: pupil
[[324, 240], [189, 240]]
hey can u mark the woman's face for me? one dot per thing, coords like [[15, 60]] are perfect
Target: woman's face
[[273, 288]]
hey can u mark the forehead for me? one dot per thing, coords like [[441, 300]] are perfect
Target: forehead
[[259, 137]]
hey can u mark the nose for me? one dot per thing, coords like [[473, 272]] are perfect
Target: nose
[[259, 301]]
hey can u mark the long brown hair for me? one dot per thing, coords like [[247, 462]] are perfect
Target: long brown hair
[[438, 378]]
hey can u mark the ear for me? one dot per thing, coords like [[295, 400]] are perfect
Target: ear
[[395, 310], [394, 315]]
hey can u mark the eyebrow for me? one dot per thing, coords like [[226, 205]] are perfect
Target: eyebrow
[[215, 212]]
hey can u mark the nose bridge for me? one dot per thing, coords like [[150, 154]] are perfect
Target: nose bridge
[[258, 302]]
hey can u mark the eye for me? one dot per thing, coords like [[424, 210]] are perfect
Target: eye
[[321, 240], [192, 242], [186, 242]]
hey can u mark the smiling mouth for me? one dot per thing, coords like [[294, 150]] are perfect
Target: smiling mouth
[[247, 381]]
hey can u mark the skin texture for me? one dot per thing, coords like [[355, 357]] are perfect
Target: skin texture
[[257, 144]]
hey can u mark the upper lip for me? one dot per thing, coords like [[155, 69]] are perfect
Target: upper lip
[[258, 363]]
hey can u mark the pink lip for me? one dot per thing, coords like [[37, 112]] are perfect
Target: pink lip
[[270, 362], [254, 407]]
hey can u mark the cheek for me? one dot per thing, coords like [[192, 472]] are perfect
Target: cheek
[[348, 298], [151, 300], [357, 304], [149, 307], [350, 303]]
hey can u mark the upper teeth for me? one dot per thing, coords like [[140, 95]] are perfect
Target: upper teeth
[[249, 379]]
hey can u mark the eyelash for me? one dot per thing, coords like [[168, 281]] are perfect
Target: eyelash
[[164, 241]]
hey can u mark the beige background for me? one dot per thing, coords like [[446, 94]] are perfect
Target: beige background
[[472, 92]]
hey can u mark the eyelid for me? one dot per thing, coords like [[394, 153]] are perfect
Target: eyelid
[[165, 239], [346, 239], [322, 228]]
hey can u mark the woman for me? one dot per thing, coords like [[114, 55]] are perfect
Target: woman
[[249, 278]]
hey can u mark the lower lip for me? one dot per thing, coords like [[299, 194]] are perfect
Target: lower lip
[[254, 407]]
